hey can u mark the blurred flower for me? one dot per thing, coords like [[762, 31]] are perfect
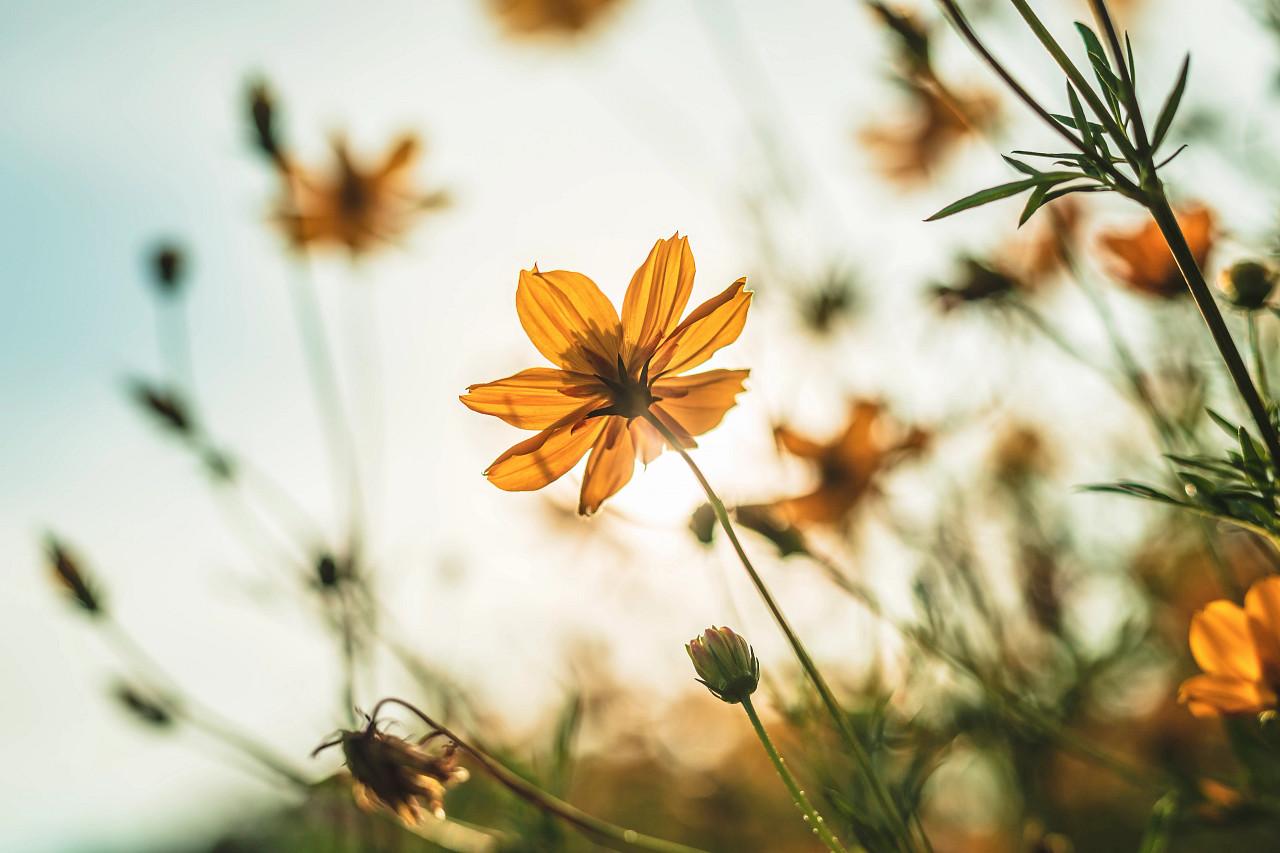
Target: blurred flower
[[1142, 261], [168, 263], [911, 38], [849, 465], [725, 664], [835, 298], [1044, 243], [392, 774], [612, 373], [354, 206], [977, 283], [1239, 651], [908, 151], [559, 17], [263, 115], [1020, 453], [70, 577], [1248, 284]]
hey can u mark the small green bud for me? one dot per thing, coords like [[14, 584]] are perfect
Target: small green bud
[[1248, 284], [725, 663]]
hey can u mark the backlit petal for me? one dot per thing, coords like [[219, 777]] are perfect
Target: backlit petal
[[699, 402], [569, 320], [612, 462], [1212, 695], [796, 444], [656, 297], [648, 441], [535, 398], [1262, 604], [713, 324], [824, 505], [1221, 643], [545, 457]]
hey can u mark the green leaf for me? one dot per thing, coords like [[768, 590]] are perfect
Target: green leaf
[[1101, 68], [1133, 68], [1034, 201], [1020, 166], [1002, 191], [1225, 425], [1170, 107]]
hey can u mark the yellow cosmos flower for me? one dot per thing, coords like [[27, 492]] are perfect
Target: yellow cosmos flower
[[611, 374], [1239, 650], [352, 205]]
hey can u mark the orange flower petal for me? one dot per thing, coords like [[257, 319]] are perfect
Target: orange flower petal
[[712, 325], [821, 506], [699, 402], [796, 444], [1212, 695], [612, 462], [569, 320], [535, 398], [648, 441], [1221, 644], [545, 457], [1262, 605], [656, 297]]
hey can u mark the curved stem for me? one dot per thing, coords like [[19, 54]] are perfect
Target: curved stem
[[811, 816], [879, 790], [601, 831]]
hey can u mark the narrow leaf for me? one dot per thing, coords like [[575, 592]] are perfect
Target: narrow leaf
[[998, 192], [1170, 107]]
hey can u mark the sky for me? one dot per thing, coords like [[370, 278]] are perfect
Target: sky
[[123, 125]]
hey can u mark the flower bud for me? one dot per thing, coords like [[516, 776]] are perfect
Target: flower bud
[[262, 114], [1248, 284], [165, 406], [143, 708], [68, 575], [725, 664], [168, 265]]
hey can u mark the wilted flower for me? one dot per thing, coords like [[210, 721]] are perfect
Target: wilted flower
[[393, 774], [1142, 260], [162, 404], [725, 664], [849, 465], [556, 17], [351, 205], [68, 574], [168, 265], [1248, 284], [1239, 650], [612, 373]]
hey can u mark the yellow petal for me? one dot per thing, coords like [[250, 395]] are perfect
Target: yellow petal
[[656, 298], [796, 444], [648, 441], [824, 505], [535, 398], [569, 320], [1221, 644], [699, 402], [713, 324], [1211, 695], [1262, 605], [612, 462], [545, 457]]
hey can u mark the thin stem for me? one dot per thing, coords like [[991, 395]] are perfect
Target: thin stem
[[811, 816], [1130, 91], [1259, 358], [881, 792], [601, 831], [1158, 204]]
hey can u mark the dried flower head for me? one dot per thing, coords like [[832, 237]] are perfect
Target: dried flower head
[[351, 205], [70, 577], [1248, 284], [613, 374], [1142, 261], [1239, 650], [168, 265], [390, 773], [550, 17], [849, 465], [726, 665]]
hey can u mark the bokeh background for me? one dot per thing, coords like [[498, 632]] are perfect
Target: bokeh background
[[743, 125]]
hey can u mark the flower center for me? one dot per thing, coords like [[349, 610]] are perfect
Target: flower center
[[629, 397]]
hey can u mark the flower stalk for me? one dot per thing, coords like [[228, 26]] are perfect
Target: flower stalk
[[859, 752]]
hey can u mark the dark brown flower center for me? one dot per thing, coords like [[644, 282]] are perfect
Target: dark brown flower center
[[629, 396]]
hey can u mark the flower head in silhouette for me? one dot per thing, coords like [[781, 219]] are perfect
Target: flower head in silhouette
[[612, 374], [1142, 261], [352, 205], [1239, 650], [849, 465], [550, 17]]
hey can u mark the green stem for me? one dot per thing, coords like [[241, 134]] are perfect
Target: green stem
[[811, 815], [1259, 359], [857, 750], [1158, 205], [601, 831]]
